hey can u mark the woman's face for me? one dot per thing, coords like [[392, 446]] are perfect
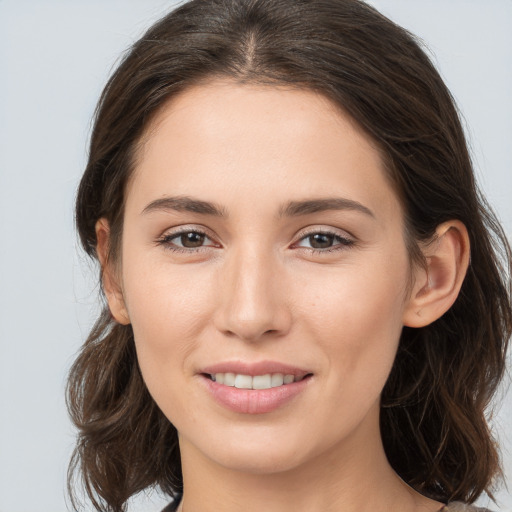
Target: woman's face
[[262, 239]]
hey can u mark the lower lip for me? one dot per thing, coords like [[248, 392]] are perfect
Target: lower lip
[[254, 401]]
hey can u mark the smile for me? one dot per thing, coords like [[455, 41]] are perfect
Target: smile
[[254, 388], [241, 381]]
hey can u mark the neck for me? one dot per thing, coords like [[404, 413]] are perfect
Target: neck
[[353, 476]]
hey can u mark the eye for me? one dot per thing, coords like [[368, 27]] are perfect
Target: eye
[[189, 240], [324, 241]]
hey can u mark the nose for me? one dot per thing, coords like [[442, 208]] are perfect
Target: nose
[[252, 303]]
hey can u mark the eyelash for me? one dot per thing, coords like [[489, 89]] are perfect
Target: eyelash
[[342, 242], [166, 241]]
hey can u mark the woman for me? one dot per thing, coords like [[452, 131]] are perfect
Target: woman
[[307, 301]]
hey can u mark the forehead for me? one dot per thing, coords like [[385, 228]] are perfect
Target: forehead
[[258, 141], [228, 111]]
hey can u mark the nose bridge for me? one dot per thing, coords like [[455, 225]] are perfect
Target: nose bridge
[[251, 304]]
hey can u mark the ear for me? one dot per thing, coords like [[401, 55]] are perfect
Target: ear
[[111, 286], [437, 286]]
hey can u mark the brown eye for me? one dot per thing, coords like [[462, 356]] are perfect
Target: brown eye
[[186, 241], [321, 240], [192, 239], [324, 242]]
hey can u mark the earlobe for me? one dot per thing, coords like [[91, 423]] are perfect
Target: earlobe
[[437, 286], [111, 286]]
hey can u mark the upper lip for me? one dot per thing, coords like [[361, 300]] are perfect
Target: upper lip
[[255, 368]]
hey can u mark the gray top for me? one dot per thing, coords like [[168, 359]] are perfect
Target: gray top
[[457, 506], [454, 506]]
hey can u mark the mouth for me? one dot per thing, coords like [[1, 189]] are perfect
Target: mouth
[[255, 388], [259, 382]]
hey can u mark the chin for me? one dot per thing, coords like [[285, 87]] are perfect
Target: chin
[[255, 454], [260, 462]]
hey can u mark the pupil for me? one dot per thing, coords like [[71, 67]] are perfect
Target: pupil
[[321, 241], [192, 239]]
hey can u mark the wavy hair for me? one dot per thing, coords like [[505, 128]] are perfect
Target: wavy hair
[[433, 420]]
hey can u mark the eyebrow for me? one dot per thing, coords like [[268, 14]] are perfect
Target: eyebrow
[[185, 204], [297, 208], [291, 209]]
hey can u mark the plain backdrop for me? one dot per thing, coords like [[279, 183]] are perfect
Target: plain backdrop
[[55, 56]]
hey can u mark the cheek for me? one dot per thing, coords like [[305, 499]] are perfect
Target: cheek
[[168, 307], [354, 300], [357, 321]]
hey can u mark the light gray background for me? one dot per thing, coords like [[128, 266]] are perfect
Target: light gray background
[[54, 59]]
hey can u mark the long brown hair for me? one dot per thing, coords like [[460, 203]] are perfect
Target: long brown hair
[[433, 406]]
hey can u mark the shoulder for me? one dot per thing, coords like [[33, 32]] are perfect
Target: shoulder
[[457, 506]]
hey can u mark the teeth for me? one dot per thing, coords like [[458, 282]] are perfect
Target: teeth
[[288, 379], [229, 379], [277, 380], [262, 381], [242, 381]]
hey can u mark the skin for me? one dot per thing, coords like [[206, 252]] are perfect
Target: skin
[[256, 290]]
